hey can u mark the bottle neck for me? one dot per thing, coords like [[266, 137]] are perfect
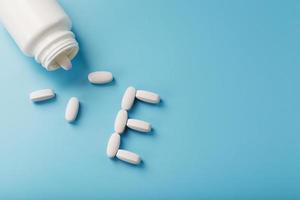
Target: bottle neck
[[55, 44]]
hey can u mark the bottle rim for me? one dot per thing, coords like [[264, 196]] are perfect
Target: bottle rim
[[63, 42]]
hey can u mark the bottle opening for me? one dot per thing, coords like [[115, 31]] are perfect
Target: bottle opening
[[59, 52]]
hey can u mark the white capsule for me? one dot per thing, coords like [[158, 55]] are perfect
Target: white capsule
[[72, 109], [64, 61], [100, 77], [41, 95], [146, 96], [128, 98], [120, 121], [138, 125], [113, 145], [128, 156]]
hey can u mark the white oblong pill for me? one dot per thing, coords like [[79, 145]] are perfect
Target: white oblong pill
[[146, 96], [113, 145], [139, 125], [128, 156], [100, 77], [128, 98], [120, 121], [41, 95], [72, 109]]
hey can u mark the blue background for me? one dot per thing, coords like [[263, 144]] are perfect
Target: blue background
[[227, 128]]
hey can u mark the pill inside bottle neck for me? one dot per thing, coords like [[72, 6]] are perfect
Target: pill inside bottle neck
[[64, 61]]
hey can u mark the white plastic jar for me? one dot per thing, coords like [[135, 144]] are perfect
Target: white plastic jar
[[41, 29]]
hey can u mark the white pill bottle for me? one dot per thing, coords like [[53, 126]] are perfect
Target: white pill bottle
[[41, 29]]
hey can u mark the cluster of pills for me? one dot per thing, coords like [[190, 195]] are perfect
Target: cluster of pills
[[122, 121], [72, 108]]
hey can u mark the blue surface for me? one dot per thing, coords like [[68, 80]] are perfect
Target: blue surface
[[227, 128]]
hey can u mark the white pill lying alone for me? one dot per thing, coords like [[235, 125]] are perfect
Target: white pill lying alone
[[72, 109], [128, 156], [146, 96], [100, 77], [41, 95], [128, 98], [113, 145], [138, 125], [120, 121]]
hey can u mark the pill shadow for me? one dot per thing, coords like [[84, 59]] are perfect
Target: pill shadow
[[112, 83], [138, 104], [116, 161], [126, 136], [53, 99], [161, 104], [128, 133], [146, 134], [152, 133]]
